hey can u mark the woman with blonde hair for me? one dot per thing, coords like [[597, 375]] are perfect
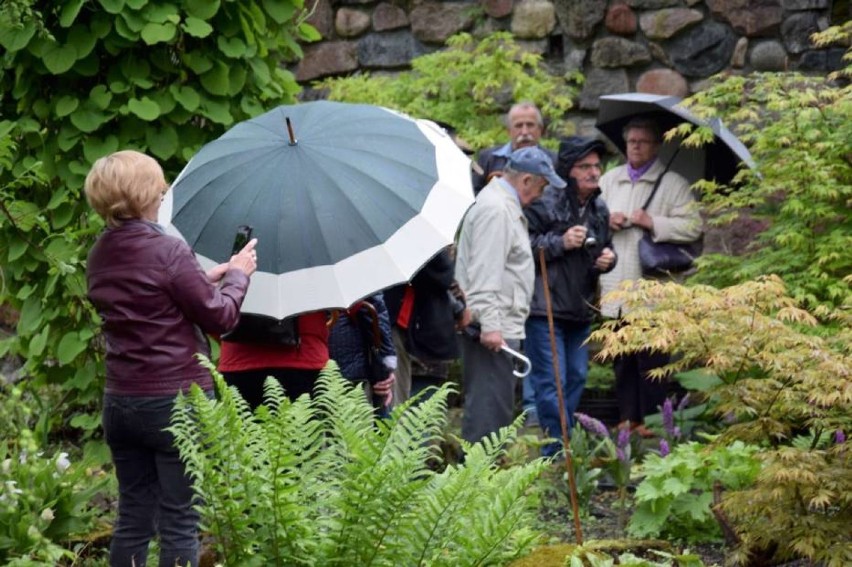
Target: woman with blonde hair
[[156, 303]]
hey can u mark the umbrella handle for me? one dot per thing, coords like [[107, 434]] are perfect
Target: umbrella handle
[[522, 373]]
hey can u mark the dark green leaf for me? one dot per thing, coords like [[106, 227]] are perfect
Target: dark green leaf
[[197, 27], [100, 97], [217, 112], [237, 79], [698, 379], [17, 247], [64, 213], [216, 80], [88, 120], [67, 138], [202, 9], [159, 13], [69, 12], [57, 198], [279, 10], [94, 147], [112, 6], [232, 47], [16, 39], [31, 316], [82, 40], [163, 143], [198, 62], [144, 108], [157, 33], [186, 96], [23, 214], [70, 346], [136, 4], [59, 58], [38, 342]]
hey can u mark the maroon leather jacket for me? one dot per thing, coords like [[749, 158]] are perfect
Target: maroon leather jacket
[[155, 300]]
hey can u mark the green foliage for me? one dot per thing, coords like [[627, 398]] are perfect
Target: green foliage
[[799, 130], [45, 498], [469, 85], [82, 79], [675, 495], [772, 379], [321, 482]]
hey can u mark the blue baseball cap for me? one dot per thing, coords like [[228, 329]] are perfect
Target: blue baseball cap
[[536, 161]]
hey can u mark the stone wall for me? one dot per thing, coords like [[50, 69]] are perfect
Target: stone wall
[[656, 46]]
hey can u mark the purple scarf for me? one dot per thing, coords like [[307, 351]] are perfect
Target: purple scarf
[[636, 172]]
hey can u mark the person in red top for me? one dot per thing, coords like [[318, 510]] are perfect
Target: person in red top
[[155, 303], [247, 365]]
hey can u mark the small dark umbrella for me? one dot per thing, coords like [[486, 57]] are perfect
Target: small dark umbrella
[[718, 160]]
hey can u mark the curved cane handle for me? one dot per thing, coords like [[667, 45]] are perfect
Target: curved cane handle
[[526, 361]]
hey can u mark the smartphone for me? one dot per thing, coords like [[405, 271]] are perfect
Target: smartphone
[[242, 238]]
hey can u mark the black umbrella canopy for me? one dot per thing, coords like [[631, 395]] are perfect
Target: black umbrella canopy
[[347, 200], [323, 187], [718, 160]]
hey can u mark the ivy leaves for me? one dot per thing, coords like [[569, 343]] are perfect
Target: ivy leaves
[[83, 79]]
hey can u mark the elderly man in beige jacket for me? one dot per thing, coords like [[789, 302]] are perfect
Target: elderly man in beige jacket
[[495, 268], [672, 216]]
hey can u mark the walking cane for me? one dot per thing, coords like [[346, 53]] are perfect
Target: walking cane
[[563, 419]]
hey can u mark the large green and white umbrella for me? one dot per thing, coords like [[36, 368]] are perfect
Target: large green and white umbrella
[[345, 200]]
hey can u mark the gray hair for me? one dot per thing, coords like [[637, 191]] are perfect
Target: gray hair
[[642, 123], [524, 105]]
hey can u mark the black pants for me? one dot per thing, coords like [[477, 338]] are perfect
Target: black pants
[[250, 382], [155, 495], [638, 395]]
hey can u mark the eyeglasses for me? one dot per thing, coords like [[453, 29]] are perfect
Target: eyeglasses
[[587, 166], [640, 142]]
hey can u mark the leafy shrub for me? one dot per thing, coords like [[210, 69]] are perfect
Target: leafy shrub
[[799, 130], [45, 499], [676, 492], [320, 481], [769, 381], [82, 79], [469, 85]]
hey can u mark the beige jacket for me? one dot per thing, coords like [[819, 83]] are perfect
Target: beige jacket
[[674, 210], [494, 265]]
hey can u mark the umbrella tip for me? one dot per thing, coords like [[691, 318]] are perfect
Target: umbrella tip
[[293, 140]]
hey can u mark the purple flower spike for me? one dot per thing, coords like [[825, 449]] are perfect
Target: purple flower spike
[[839, 437], [592, 425], [677, 433], [623, 438], [683, 403], [619, 453], [668, 416], [664, 448]]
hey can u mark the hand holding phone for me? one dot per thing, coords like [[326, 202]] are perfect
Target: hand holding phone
[[242, 238], [244, 256]]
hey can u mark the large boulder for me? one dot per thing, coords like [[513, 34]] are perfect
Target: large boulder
[[533, 19], [579, 19], [434, 22], [705, 50], [618, 52], [663, 24], [391, 49], [327, 58], [752, 18]]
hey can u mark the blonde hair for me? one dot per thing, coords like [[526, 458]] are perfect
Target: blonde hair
[[123, 185]]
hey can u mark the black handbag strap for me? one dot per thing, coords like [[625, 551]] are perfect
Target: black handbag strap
[[660, 179]]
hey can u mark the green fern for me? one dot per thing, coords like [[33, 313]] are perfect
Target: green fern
[[322, 482]]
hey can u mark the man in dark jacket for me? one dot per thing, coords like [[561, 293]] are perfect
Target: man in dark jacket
[[571, 225], [525, 127]]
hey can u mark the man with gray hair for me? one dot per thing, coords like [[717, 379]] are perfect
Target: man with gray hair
[[495, 267], [525, 126]]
